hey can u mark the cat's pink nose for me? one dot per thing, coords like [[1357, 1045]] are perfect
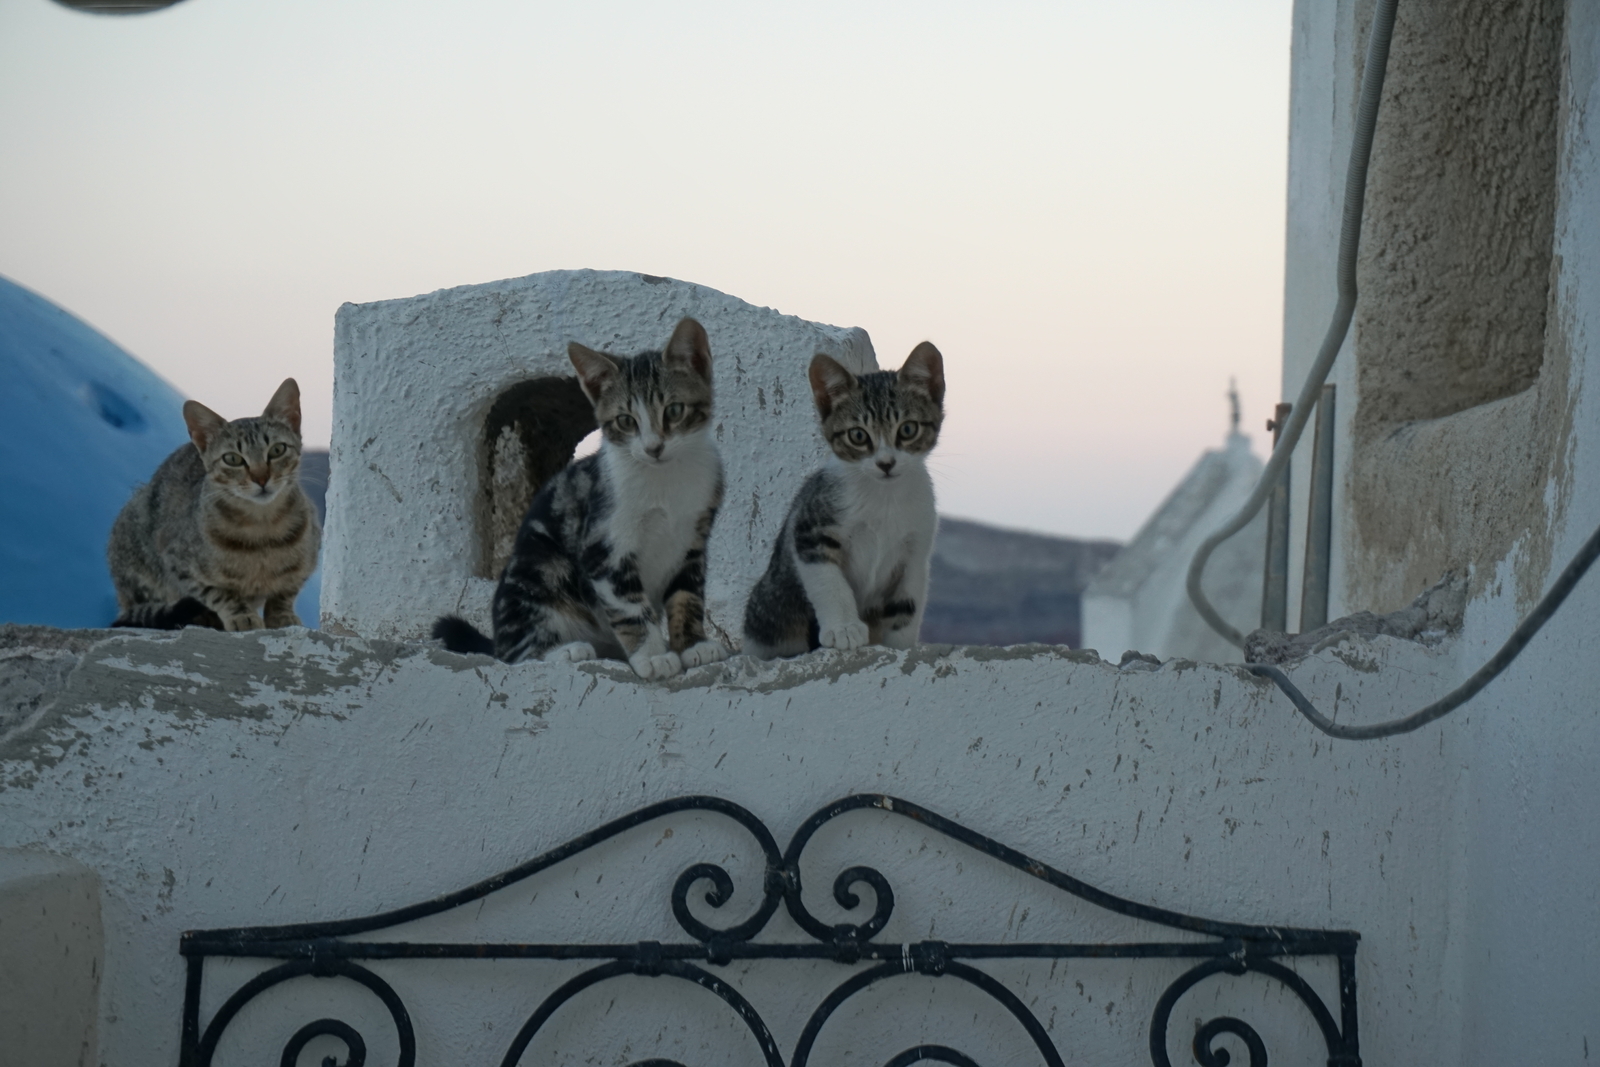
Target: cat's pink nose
[[886, 465], [261, 479], [656, 449]]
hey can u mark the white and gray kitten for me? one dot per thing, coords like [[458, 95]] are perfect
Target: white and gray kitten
[[222, 535], [611, 558], [850, 566]]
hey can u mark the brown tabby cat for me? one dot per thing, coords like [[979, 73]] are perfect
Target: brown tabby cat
[[222, 535]]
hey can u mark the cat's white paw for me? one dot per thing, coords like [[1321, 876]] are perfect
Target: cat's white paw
[[576, 652], [848, 635], [661, 665], [251, 621], [278, 620], [704, 652]]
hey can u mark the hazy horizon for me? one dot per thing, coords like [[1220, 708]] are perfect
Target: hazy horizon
[[1083, 207]]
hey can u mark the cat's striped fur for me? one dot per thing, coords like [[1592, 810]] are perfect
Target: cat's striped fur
[[850, 565], [222, 535], [610, 560]]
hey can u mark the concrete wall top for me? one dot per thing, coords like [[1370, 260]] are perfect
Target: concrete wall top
[[415, 378]]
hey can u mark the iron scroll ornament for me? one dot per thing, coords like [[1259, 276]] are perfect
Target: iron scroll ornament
[[320, 950]]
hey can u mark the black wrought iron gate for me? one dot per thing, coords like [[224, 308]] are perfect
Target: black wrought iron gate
[[323, 950]]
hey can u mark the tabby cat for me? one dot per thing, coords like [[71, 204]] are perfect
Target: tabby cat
[[850, 566], [222, 535], [611, 558]]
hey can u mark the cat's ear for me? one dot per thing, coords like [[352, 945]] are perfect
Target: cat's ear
[[285, 405], [203, 423], [830, 382], [690, 347], [595, 370], [924, 369]]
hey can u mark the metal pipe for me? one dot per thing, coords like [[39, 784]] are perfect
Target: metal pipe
[[1319, 519], [1275, 577], [1355, 187]]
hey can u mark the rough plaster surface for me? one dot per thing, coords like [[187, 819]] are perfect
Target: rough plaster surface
[[415, 379], [1435, 615], [219, 779], [1505, 490], [1457, 235], [52, 949], [1461, 347]]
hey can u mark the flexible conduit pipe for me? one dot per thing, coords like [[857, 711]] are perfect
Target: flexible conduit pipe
[[1355, 189], [1466, 690]]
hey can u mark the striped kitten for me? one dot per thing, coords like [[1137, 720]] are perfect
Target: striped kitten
[[850, 566], [610, 560], [222, 535]]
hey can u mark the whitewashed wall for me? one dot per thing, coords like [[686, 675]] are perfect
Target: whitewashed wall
[[1522, 931], [415, 378], [226, 779]]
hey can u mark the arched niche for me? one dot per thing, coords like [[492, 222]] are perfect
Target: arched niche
[[529, 434]]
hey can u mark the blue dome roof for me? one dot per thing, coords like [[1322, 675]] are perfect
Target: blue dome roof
[[82, 423]]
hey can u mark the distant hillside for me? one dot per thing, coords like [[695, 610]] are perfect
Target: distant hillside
[[990, 586], [1003, 587]]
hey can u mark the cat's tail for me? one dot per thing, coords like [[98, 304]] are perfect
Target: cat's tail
[[175, 616], [459, 635]]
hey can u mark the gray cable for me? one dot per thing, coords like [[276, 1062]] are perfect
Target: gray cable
[[1355, 188], [1466, 690], [1349, 243]]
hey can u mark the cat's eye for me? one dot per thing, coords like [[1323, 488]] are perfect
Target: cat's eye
[[233, 459], [277, 450], [908, 430], [674, 412], [626, 424], [858, 437]]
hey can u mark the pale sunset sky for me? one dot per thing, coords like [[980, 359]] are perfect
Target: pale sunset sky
[[1081, 203]]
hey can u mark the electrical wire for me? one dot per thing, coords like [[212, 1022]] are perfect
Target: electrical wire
[[1349, 243], [1355, 190], [1466, 690]]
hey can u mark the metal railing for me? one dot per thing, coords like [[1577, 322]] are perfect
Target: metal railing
[[323, 950]]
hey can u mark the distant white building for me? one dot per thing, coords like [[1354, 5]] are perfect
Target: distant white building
[[1138, 600]]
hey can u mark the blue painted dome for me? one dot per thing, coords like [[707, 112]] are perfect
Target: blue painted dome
[[82, 423]]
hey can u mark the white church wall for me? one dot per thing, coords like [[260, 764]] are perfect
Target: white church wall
[[239, 779], [1140, 600]]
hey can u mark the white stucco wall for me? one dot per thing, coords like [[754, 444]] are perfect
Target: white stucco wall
[[1523, 928], [221, 779], [415, 378]]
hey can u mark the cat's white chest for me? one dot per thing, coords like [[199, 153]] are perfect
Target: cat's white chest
[[656, 516], [888, 529], [661, 538]]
